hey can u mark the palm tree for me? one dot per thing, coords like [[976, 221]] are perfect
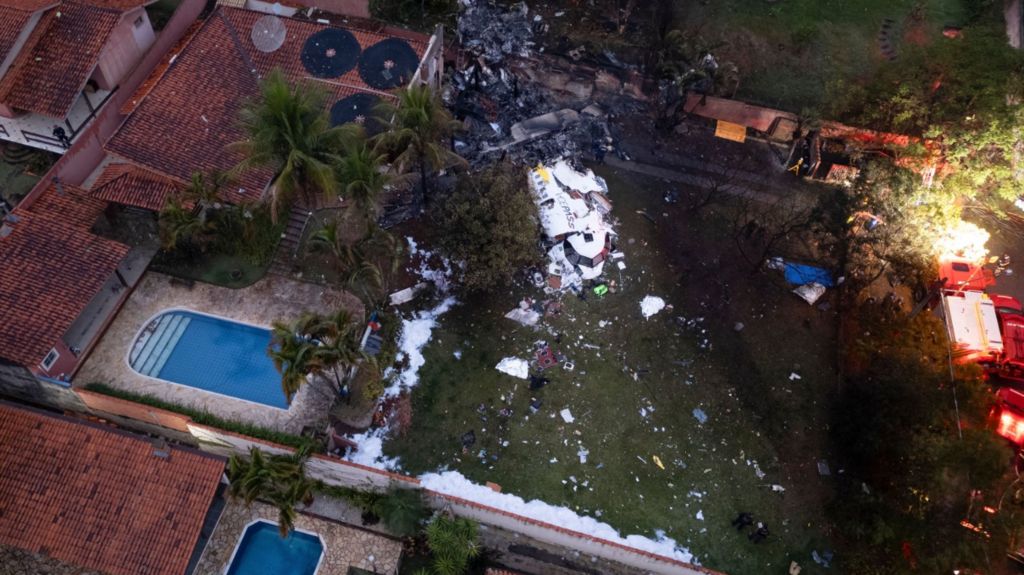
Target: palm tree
[[453, 543], [366, 261], [362, 173], [293, 351], [182, 227], [339, 348], [288, 129], [314, 344], [419, 128], [203, 192], [278, 479]]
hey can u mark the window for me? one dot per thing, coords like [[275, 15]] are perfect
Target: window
[[140, 21], [50, 359], [961, 267]]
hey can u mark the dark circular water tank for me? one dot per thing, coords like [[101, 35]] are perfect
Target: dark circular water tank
[[357, 108], [330, 53], [388, 64]]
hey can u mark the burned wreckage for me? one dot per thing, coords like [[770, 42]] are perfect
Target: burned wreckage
[[508, 117]]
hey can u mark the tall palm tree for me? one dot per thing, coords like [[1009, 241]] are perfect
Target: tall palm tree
[[293, 352], [419, 128], [314, 344], [339, 348], [288, 129], [363, 176], [279, 479]]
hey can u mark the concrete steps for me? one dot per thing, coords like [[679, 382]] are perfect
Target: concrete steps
[[291, 238], [151, 357]]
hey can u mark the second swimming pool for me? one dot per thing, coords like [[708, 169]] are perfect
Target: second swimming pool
[[209, 353]]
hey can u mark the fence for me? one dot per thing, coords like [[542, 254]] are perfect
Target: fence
[[335, 471]]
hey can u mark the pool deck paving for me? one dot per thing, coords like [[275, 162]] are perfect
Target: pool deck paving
[[344, 546], [270, 299]]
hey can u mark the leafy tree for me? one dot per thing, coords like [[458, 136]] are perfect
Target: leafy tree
[[490, 222], [402, 510], [288, 130], [422, 13], [278, 479], [964, 94], [186, 220], [453, 544], [912, 459], [419, 129]]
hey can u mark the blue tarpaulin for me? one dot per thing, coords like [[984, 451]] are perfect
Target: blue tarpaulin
[[799, 274]]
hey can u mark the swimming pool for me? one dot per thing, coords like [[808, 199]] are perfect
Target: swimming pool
[[209, 353], [262, 551]]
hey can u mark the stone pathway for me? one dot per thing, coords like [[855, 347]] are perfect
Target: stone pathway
[[344, 546], [272, 298]]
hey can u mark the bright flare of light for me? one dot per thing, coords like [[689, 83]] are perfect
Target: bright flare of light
[[963, 240]]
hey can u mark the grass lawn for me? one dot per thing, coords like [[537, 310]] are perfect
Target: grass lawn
[[229, 271], [634, 390], [17, 179], [787, 51]]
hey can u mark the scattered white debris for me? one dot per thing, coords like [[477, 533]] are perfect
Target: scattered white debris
[[700, 415], [525, 316], [406, 295], [514, 366], [415, 335], [794, 376], [651, 305], [413, 247], [700, 515], [457, 353], [567, 415], [453, 483], [810, 292], [778, 488], [757, 471], [583, 453]]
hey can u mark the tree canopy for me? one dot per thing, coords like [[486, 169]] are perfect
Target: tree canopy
[[490, 223]]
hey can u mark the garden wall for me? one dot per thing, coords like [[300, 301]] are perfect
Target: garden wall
[[339, 472]]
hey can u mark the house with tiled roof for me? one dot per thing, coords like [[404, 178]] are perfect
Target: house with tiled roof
[[60, 61], [78, 497], [184, 118], [61, 284]]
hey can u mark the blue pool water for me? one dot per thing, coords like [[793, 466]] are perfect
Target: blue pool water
[[263, 552], [209, 353]]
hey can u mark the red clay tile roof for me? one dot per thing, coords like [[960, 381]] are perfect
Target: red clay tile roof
[[184, 123], [12, 22], [29, 5], [130, 185], [51, 266], [160, 69], [48, 77], [99, 498]]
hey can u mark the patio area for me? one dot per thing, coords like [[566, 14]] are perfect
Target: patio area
[[273, 298], [344, 546]]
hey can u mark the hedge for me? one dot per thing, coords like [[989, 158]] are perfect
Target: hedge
[[206, 418]]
